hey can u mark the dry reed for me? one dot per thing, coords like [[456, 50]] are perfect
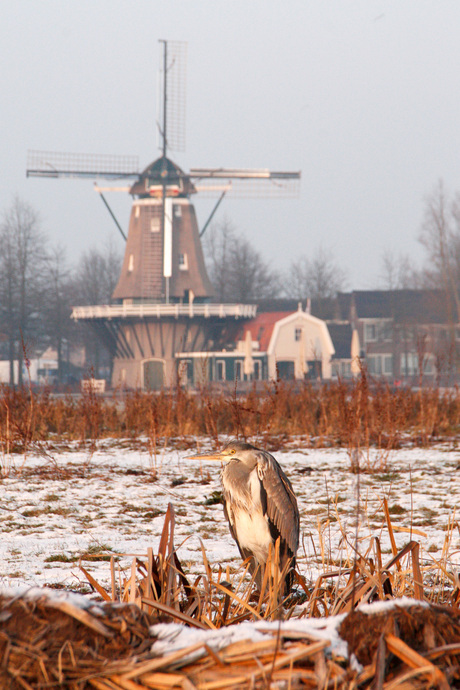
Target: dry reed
[[355, 415]]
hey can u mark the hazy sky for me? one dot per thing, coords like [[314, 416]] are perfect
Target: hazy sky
[[362, 96]]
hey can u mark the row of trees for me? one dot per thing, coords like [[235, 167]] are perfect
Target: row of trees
[[240, 273], [38, 288]]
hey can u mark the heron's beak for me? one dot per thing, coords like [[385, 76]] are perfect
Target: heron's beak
[[213, 457]]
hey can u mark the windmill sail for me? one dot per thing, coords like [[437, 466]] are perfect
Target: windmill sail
[[171, 97], [59, 164], [246, 183]]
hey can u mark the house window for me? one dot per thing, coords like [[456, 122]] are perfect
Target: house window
[[428, 365], [388, 365], [155, 224], [239, 370], [257, 369], [131, 263], [370, 332], [374, 365], [409, 363], [221, 373], [297, 334], [346, 370], [183, 262], [387, 331]]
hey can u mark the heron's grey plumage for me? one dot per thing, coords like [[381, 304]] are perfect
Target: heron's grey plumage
[[260, 506]]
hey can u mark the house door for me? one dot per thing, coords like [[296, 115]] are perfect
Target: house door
[[154, 374], [285, 369]]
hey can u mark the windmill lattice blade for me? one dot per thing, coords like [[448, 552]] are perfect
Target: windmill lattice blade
[[60, 164], [246, 183], [175, 103]]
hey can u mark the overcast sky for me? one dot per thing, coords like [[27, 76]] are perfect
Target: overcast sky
[[362, 96]]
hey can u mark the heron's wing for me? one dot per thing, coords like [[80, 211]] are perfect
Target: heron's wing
[[278, 501], [231, 521]]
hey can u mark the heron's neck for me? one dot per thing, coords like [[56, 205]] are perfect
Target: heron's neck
[[236, 481]]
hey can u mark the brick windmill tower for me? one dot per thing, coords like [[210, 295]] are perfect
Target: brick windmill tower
[[162, 303]]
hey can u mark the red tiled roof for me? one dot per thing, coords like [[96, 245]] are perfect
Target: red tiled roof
[[261, 328]]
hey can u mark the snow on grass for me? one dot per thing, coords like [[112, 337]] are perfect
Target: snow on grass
[[57, 508]]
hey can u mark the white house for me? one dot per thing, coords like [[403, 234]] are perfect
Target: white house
[[287, 345]]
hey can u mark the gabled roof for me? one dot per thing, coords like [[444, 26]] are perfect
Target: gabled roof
[[261, 328]]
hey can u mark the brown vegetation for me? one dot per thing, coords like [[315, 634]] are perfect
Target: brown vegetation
[[47, 641], [354, 415]]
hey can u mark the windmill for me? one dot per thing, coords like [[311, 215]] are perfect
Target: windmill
[[163, 264]]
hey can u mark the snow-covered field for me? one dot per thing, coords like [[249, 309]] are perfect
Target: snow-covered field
[[55, 508]]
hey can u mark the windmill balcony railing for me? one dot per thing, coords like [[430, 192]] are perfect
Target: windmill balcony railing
[[117, 311]]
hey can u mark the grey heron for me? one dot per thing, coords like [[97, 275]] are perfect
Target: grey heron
[[260, 506]]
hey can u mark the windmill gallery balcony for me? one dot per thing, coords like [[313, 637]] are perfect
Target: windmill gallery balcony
[[139, 311]]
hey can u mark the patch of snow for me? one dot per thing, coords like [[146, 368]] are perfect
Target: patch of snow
[[111, 499]]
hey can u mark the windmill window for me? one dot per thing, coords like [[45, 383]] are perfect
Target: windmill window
[[183, 262], [131, 263], [155, 224], [137, 211], [178, 211]]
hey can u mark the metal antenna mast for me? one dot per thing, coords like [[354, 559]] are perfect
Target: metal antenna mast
[[163, 186]]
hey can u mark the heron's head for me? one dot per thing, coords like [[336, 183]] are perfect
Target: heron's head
[[235, 450]]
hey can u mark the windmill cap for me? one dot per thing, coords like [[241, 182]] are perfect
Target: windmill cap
[[163, 172]]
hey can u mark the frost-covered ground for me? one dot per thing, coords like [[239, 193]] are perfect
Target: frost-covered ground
[[55, 508]]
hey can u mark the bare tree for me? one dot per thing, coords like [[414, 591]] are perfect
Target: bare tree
[[95, 278], [397, 272], [59, 327], [97, 274], [318, 277], [438, 239], [217, 246], [22, 262], [236, 269]]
